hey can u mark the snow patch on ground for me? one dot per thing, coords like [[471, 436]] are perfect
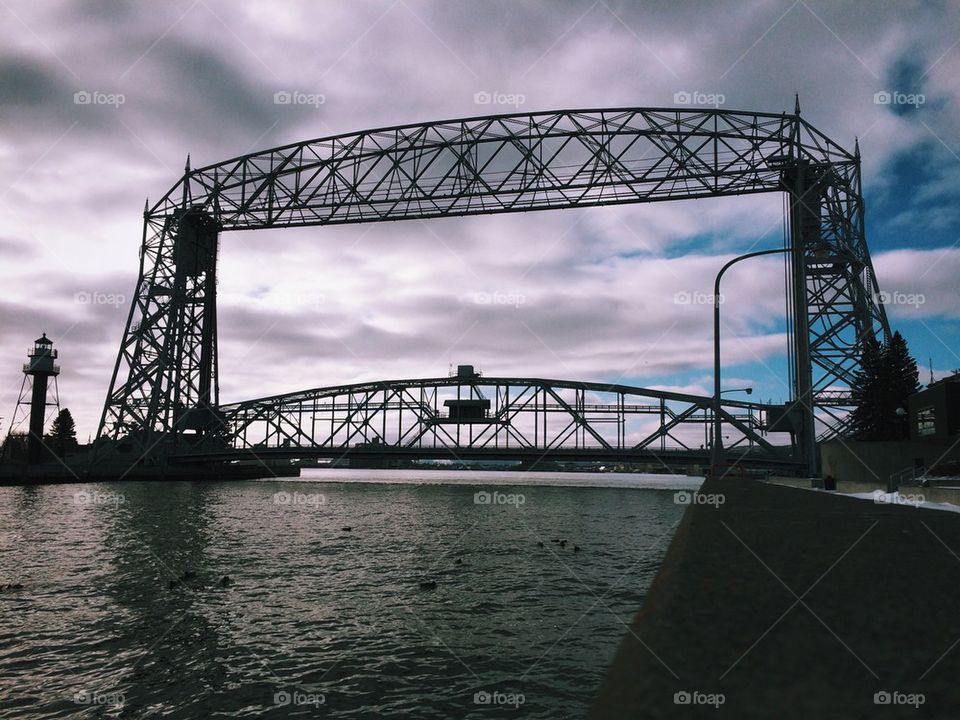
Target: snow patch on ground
[[913, 499]]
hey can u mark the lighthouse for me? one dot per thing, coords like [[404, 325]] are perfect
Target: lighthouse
[[37, 372]]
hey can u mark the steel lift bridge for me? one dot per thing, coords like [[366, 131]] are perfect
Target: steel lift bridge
[[164, 401]]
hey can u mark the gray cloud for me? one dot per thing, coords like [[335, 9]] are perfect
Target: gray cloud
[[28, 83]]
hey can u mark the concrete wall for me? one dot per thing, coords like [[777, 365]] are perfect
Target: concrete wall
[[843, 486], [875, 463], [930, 494]]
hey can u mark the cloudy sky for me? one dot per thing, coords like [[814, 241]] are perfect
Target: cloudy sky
[[576, 294]]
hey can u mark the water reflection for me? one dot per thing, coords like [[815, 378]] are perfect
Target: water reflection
[[317, 618]]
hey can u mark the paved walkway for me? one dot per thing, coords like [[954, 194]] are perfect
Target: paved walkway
[[796, 604]]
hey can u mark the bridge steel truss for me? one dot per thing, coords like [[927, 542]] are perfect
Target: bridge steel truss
[[165, 379], [528, 418]]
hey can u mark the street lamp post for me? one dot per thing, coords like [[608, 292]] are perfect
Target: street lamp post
[[717, 454]]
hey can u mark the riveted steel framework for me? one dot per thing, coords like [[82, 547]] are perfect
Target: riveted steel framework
[[520, 417], [165, 378]]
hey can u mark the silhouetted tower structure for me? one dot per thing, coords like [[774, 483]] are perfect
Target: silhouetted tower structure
[[164, 383], [36, 383]]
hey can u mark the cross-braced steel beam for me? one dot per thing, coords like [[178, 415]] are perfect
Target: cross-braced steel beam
[[466, 416], [165, 378]]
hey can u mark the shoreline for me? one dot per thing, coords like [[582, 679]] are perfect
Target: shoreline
[[19, 475], [814, 596]]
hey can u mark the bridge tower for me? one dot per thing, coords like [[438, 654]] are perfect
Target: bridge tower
[[33, 400], [175, 392]]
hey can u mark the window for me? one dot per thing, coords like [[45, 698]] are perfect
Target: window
[[926, 422]]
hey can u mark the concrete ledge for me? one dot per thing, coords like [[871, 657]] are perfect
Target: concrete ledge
[[843, 486], [935, 494], [805, 483], [930, 494], [876, 612]]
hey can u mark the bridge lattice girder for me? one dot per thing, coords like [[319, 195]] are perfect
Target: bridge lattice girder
[[531, 416], [165, 378]]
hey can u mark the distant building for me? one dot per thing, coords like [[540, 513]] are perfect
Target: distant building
[[935, 411]]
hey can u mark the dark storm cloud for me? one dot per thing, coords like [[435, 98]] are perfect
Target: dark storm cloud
[[215, 97], [90, 310], [266, 332], [20, 323], [905, 77], [29, 83], [171, 85], [83, 12], [38, 97]]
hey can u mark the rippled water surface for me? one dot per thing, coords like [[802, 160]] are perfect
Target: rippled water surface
[[316, 620]]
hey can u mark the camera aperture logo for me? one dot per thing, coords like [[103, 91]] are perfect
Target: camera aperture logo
[[692, 497], [895, 97], [695, 697], [896, 498], [895, 697], [697, 298], [498, 297], [896, 297], [86, 697], [497, 697], [282, 698], [313, 500], [498, 498], [86, 97], [99, 298], [295, 97], [92, 497], [696, 97], [514, 100]]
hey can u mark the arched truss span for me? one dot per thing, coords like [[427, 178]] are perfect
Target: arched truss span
[[165, 378], [471, 416]]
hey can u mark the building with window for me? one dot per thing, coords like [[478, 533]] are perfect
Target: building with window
[[935, 411]]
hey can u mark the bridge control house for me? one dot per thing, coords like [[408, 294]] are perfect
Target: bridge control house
[[467, 411]]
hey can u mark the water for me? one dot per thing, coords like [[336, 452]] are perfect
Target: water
[[319, 621]]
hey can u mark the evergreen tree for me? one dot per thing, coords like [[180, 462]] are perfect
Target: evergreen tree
[[63, 433], [866, 390], [14, 448], [904, 378], [888, 375]]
